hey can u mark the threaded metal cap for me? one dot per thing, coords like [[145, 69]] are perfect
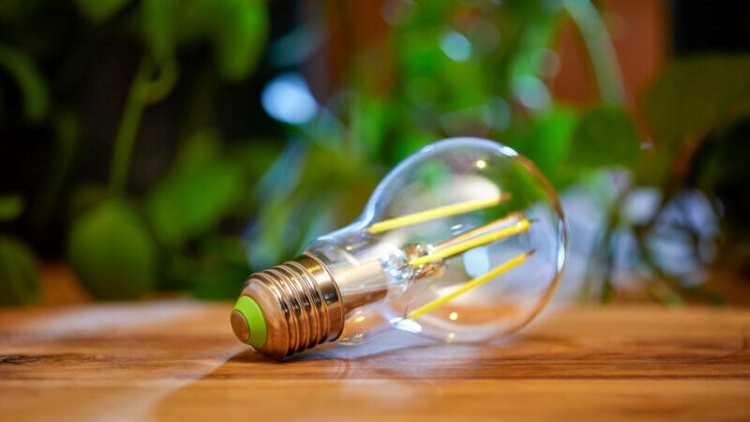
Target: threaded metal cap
[[289, 308]]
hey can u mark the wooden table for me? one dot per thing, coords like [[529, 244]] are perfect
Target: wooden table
[[178, 360]]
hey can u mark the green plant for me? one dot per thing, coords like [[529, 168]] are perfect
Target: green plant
[[444, 69], [18, 272], [699, 109], [442, 72], [121, 244]]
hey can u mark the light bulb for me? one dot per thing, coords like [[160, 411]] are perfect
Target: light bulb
[[463, 241]]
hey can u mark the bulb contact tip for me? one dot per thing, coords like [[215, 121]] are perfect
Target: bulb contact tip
[[248, 322]]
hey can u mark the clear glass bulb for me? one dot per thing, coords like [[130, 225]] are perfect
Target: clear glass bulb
[[463, 241]]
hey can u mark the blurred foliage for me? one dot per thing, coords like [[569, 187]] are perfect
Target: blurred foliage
[[699, 109], [120, 244], [464, 68], [480, 68], [446, 69], [18, 273], [112, 252]]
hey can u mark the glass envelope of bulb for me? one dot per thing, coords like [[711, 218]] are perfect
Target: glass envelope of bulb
[[463, 241]]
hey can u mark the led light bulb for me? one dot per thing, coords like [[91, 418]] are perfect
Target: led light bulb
[[463, 241]]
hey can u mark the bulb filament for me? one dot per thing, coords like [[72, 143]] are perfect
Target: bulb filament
[[420, 217], [490, 233], [472, 284], [455, 249]]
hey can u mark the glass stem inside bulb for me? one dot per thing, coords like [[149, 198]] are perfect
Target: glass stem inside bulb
[[506, 266], [452, 247], [428, 260], [386, 270]]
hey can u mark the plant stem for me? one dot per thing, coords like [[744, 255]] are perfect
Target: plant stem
[[600, 48], [603, 255], [127, 132]]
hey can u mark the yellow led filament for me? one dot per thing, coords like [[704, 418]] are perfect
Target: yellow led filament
[[475, 238], [434, 213], [519, 227], [517, 260]]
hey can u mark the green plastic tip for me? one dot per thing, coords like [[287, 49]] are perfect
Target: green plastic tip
[[248, 322]]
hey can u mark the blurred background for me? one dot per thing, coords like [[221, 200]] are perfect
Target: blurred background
[[152, 147]]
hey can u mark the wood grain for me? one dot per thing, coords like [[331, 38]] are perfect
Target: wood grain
[[178, 360]]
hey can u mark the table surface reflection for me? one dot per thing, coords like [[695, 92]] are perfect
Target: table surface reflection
[[178, 360]]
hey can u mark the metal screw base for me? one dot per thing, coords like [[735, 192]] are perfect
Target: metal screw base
[[301, 305]]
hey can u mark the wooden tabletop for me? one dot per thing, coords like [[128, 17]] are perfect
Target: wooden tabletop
[[178, 360]]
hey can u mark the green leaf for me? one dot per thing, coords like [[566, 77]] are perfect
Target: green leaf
[[238, 29], [11, 206], [99, 11], [112, 253], [652, 167], [548, 140], [202, 148], [195, 21], [605, 136], [222, 281], [222, 269], [268, 241], [87, 197], [160, 27], [49, 195], [176, 267], [31, 82], [158, 88], [240, 36], [368, 123], [693, 95], [192, 201], [19, 281], [330, 192]]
